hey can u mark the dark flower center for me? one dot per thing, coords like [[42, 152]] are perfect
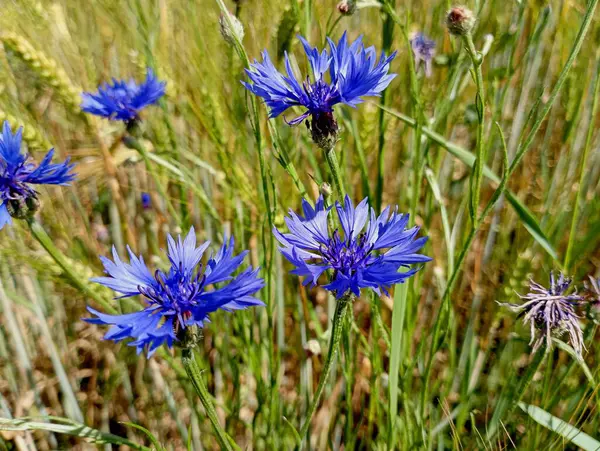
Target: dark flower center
[[346, 256], [175, 293]]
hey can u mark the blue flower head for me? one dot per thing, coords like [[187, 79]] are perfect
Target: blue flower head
[[146, 201], [359, 257], [123, 100], [354, 73], [423, 50], [18, 175], [178, 299]]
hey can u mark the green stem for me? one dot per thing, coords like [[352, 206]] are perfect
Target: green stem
[[588, 144], [195, 374], [42, 237], [477, 175], [334, 343], [334, 167]]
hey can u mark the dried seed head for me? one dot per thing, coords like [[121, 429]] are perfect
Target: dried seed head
[[460, 20]]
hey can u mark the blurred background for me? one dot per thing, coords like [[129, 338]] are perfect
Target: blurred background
[[263, 364]]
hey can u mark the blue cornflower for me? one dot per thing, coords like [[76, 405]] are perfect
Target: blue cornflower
[[123, 100], [354, 72], [551, 311], [146, 201], [358, 259], [18, 197], [423, 50], [178, 299]]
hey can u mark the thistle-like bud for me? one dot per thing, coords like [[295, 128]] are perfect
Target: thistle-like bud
[[347, 7], [324, 130], [460, 20], [232, 32], [23, 207]]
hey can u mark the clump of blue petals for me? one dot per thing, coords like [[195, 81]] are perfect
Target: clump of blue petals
[[363, 257], [423, 50], [177, 299], [123, 100], [18, 174], [354, 72]]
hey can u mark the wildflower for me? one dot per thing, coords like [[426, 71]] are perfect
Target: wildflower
[[177, 301], [551, 311], [146, 201], [423, 50], [18, 175], [123, 100], [357, 259], [354, 72], [460, 21]]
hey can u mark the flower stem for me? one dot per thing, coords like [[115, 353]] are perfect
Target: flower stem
[[334, 167], [477, 175], [134, 143], [334, 343], [42, 237], [194, 373]]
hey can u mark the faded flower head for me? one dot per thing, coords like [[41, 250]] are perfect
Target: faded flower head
[[123, 100], [423, 50], [18, 175], [354, 72], [460, 20], [357, 257], [551, 311], [177, 301]]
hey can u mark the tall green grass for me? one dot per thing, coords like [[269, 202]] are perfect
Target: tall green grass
[[436, 365]]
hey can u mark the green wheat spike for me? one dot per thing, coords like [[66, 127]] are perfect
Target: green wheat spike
[[35, 139], [46, 68]]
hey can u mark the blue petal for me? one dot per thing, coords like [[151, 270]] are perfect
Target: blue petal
[[5, 218], [51, 174], [185, 255], [123, 277], [352, 219]]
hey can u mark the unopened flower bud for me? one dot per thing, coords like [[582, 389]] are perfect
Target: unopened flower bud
[[232, 32], [460, 20], [347, 7], [324, 130], [325, 190]]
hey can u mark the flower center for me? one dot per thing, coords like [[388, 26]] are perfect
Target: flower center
[[321, 96], [175, 293], [348, 255]]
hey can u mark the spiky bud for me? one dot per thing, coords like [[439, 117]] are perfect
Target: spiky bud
[[460, 20], [347, 7], [23, 207], [231, 32], [324, 130]]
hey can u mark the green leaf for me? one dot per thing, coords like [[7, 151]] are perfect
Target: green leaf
[[153, 439], [396, 351], [525, 215], [562, 428], [67, 427]]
